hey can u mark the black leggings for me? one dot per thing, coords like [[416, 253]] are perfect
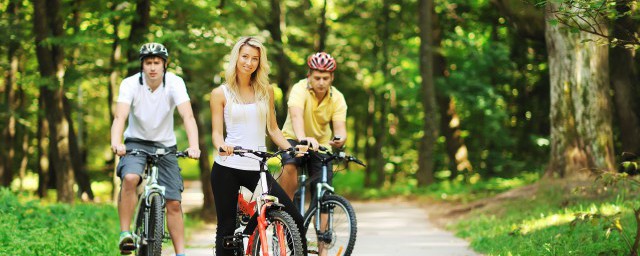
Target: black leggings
[[226, 182]]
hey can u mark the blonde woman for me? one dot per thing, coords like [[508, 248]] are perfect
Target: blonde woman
[[244, 106]]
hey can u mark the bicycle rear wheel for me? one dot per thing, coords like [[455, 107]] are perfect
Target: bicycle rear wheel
[[156, 226], [339, 237], [282, 235]]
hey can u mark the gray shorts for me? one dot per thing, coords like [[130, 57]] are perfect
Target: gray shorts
[[168, 170], [313, 165]]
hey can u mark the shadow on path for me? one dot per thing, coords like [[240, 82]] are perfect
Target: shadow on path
[[384, 228]]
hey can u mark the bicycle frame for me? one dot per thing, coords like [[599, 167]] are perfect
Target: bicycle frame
[[324, 224], [260, 207], [322, 186], [150, 181], [151, 187]]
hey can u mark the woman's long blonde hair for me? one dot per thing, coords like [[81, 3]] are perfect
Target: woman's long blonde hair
[[259, 78]]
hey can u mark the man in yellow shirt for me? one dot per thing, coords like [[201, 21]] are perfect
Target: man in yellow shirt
[[314, 107]]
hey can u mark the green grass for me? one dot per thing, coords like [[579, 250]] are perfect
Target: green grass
[[351, 184], [542, 223], [36, 227], [32, 227]]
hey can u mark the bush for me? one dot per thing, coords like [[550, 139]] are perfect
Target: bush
[[29, 227]]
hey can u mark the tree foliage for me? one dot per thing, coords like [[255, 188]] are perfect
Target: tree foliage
[[491, 76]]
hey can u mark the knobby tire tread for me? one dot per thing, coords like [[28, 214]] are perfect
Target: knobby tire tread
[[156, 226], [283, 217], [340, 202]]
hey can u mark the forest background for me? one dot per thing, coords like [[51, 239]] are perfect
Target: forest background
[[441, 93]]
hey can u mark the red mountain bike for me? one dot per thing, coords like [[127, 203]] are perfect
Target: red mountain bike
[[276, 232]]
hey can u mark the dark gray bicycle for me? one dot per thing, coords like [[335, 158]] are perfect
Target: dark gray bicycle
[[149, 229], [330, 221]]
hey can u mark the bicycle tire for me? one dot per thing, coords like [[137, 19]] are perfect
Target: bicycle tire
[[156, 226], [343, 237], [275, 219], [140, 232]]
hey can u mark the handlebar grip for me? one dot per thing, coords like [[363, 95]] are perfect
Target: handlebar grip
[[221, 149], [357, 161], [304, 142], [182, 153], [321, 148]]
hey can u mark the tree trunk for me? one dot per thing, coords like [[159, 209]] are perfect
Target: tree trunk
[[47, 21], [581, 136], [76, 148], [425, 173], [77, 163], [114, 61], [322, 29], [7, 140], [381, 140], [139, 28], [623, 78], [42, 145], [368, 147], [275, 26], [208, 213], [114, 78]]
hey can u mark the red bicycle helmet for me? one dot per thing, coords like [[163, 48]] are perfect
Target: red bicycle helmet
[[322, 61]]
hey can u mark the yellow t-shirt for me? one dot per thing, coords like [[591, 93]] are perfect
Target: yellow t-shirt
[[317, 115]]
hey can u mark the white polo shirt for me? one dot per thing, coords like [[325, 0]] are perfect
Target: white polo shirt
[[151, 113]]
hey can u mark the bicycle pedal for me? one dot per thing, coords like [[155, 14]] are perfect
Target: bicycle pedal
[[232, 242], [127, 247], [312, 252], [125, 252]]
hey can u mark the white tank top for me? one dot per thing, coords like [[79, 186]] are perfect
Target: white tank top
[[244, 128]]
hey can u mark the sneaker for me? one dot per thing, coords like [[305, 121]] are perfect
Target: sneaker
[[126, 243]]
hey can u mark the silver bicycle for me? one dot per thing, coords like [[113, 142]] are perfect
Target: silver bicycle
[[149, 229]]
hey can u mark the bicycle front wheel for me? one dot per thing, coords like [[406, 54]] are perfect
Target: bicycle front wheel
[[156, 226], [337, 231], [282, 236]]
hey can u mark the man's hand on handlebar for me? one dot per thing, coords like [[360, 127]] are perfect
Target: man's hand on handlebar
[[194, 153], [337, 142], [311, 142], [119, 149], [301, 149]]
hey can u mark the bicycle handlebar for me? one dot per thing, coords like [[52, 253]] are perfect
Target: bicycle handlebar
[[341, 156], [138, 151], [262, 154]]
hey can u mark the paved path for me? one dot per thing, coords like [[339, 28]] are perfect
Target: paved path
[[384, 228], [402, 228]]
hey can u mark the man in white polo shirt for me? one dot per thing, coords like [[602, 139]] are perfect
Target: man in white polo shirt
[[148, 100]]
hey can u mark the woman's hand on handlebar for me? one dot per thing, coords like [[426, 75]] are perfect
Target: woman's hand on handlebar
[[225, 150]]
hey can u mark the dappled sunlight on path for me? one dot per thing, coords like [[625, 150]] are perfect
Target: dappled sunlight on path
[[384, 228], [402, 228]]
